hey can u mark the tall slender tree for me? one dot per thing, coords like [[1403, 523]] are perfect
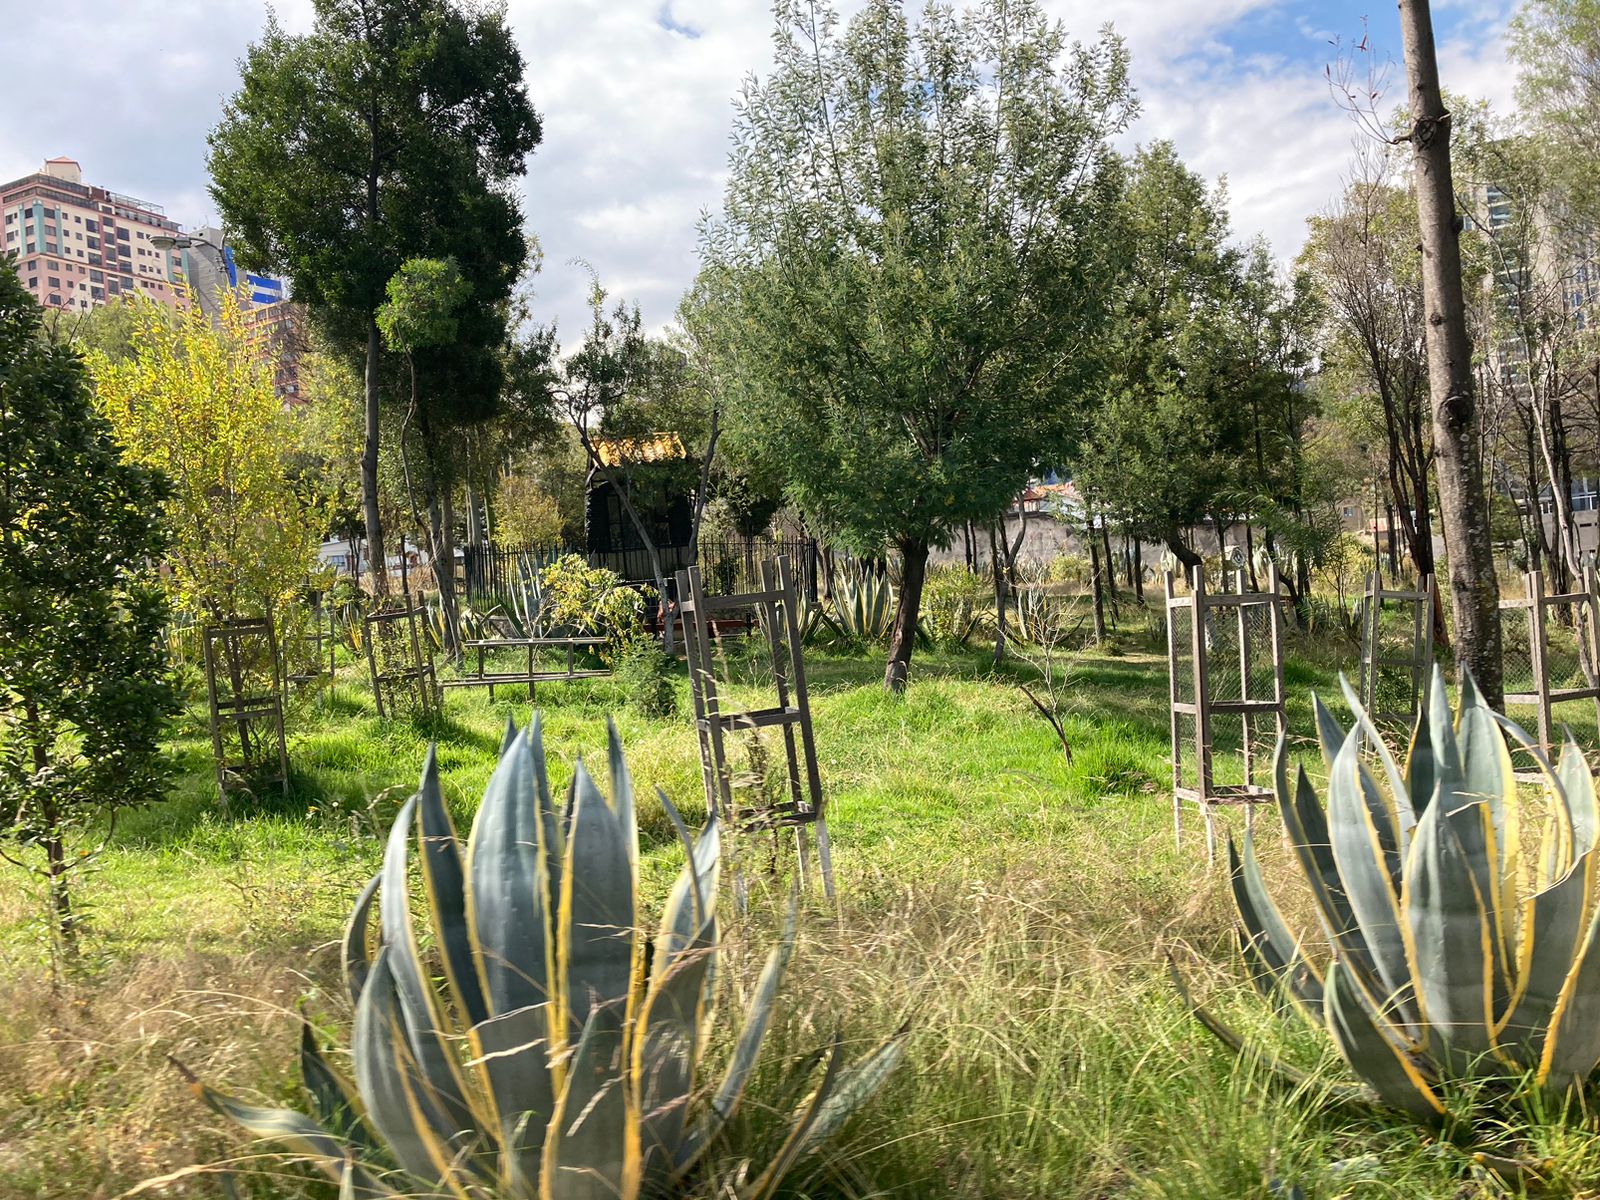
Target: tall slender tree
[[358, 145], [1463, 500], [914, 240]]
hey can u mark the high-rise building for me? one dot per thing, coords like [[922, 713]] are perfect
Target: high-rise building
[[77, 246]]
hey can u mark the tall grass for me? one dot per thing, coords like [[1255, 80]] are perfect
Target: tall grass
[[1015, 909]]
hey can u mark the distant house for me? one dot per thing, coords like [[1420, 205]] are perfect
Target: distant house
[[659, 480]]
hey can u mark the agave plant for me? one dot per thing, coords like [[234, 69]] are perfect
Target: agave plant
[[863, 604], [515, 1044], [1454, 954]]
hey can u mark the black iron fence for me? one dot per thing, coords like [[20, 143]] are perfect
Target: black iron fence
[[733, 565]]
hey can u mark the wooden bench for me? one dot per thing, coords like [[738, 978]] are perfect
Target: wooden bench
[[532, 675]]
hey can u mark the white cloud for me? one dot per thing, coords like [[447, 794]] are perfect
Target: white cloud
[[637, 112]]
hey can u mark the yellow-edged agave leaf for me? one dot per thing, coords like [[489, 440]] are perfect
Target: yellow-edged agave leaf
[[412, 1125], [508, 901], [1551, 939], [300, 1133], [856, 1084], [799, 1134], [693, 899], [1572, 1046], [592, 1149], [1487, 774], [1396, 802], [666, 1047], [444, 884], [1577, 791], [1362, 849], [357, 942], [418, 1003], [758, 1017], [335, 1100], [1449, 937], [1278, 967], [598, 915], [552, 821], [511, 1053], [1306, 826], [1372, 1051]]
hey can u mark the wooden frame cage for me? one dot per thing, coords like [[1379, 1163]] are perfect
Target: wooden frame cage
[[1397, 637], [1562, 634], [802, 808], [1225, 668], [400, 662], [318, 644], [244, 690]]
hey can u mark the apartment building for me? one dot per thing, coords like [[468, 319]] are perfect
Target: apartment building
[[77, 245]]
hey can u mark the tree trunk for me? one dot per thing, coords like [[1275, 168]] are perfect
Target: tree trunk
[[1097, 585], [444, 569], [1181, 551], [1001, 594], [914, 569], [369, 467], [1463, 502]]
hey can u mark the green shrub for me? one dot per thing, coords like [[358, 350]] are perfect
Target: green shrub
[[644, 674], [955, 605], [585, 601]]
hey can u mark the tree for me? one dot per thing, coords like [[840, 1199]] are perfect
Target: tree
[[84, 687], [914, 242], [1201, 413], [1362, 257], [1557, 45], [621, 385], [1463, 501], [196, 403], [388, 130]]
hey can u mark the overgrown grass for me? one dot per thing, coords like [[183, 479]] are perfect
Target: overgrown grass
[[1016, 909]]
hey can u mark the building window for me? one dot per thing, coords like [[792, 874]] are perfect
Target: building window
[[122, 234], [92, 225], [55, 282]]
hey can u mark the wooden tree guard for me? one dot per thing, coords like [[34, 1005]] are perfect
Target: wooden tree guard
[[319, 646], [1378, 667], [1585, 612], [1200, 679], [780, 623], [400, 662], [244, 687]]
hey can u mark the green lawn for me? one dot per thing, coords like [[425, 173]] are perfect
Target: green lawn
[[1016, 909]]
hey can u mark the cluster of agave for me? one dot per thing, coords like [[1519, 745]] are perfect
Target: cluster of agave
[[540, 1049], [863, 604], [1457, 953]]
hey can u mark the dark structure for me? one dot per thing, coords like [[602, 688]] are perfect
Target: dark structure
[[660, 483], [400, 663], [1396, 651]]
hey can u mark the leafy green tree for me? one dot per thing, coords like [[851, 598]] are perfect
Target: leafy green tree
[[1361, 257], [913, 248], [84, 687], [1201, 416], [1556, 43], [388, 132], [196, 403]]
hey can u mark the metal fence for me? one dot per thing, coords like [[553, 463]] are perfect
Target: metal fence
[[733, 565]]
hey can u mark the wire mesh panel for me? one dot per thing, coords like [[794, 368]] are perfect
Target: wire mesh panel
[[1396, 651], [1225, 666], [1563, 649], [400, 663], [244, 688]]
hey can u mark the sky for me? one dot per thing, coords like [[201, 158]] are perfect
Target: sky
[[635, 97]]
